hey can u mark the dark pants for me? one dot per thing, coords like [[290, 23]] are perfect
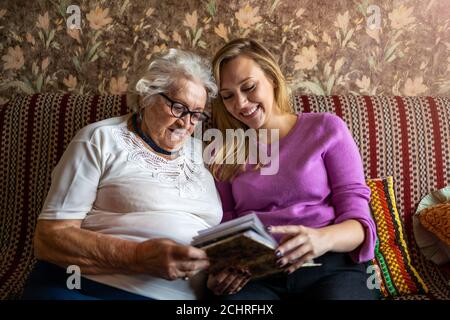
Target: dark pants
[[48, 282], [339, 278]]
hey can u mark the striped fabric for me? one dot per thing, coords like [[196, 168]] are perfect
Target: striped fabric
[[34, 132], [407, 138], [398, 275]]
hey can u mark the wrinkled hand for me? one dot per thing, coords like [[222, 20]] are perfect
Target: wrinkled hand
[[229, 281], [299, 245], [168, 259]]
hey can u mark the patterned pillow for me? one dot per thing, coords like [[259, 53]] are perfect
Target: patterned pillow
[[436, 219], [431, 225], [398, 276]]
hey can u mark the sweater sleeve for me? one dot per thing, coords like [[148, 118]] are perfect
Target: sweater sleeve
[[226, 196], [350, 195]]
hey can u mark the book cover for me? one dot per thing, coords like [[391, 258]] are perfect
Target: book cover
[[241, 243], [244, 251]]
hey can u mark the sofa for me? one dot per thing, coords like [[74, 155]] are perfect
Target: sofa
[[407, 138]]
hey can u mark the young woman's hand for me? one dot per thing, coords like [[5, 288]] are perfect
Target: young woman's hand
[[300, 244], [229, 281]]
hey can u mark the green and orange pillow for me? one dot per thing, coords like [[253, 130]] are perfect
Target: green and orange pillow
[[397, 275]]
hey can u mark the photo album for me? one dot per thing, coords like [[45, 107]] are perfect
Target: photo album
[[242, 243]]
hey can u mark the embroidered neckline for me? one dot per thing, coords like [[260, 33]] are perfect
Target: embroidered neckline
[[182, 172], [147, 139]]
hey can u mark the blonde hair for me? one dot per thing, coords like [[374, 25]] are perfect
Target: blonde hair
[[222, 119], [163, 70]]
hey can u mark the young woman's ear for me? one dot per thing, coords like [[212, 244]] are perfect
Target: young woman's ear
[[274, 83], [272, 80]]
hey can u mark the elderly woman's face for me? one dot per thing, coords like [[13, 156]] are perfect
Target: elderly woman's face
[[167, 131]]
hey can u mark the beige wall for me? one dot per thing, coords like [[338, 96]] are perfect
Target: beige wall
[[324, 46]]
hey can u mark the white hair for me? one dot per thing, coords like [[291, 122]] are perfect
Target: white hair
[[164, 70]]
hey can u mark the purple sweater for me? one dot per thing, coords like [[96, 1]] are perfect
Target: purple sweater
[[320, 182]]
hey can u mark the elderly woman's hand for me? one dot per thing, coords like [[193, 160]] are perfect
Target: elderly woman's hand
[[229, 281], [168, 259]]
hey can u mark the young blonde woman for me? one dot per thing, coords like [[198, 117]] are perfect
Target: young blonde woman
[[316, 205]]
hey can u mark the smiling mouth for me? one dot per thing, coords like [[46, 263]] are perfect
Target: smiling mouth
[[177, 134], [251, 112]]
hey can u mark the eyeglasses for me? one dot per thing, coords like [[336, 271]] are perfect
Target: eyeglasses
[[179, 111]]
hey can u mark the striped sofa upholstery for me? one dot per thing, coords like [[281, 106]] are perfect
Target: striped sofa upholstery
[[407, 138], [34, 131]]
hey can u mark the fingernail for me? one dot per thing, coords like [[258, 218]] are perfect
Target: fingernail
[[268, 228], [280, 263], [278, 254]]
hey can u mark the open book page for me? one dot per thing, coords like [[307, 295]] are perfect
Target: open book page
[[244, 244], [247, 222]]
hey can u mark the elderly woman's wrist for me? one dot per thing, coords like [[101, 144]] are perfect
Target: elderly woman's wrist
[[130, 262]]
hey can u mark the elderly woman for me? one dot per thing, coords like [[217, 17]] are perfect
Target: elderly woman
[[129, 194]]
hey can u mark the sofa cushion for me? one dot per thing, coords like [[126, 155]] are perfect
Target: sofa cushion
[[436, 219], [403, 137], [431, 226], [407, 138], [398, 275], [34, 132]]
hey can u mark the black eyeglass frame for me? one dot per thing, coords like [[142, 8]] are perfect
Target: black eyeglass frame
[[185, 112]]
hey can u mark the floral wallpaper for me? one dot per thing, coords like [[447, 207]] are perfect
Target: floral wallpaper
[[378, 47]]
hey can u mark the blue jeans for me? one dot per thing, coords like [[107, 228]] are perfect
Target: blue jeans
[[48, 282], [339, 278]]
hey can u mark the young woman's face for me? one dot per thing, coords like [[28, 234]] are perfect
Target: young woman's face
[[246, 91]]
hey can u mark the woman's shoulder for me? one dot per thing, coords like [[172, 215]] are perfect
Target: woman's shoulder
[[320, 117], [101, 127], [325, 120]]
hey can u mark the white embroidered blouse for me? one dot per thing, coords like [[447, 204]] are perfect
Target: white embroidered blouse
[[111, 181]]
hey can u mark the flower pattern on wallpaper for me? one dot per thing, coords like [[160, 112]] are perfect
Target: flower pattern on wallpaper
[[324, 47]]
